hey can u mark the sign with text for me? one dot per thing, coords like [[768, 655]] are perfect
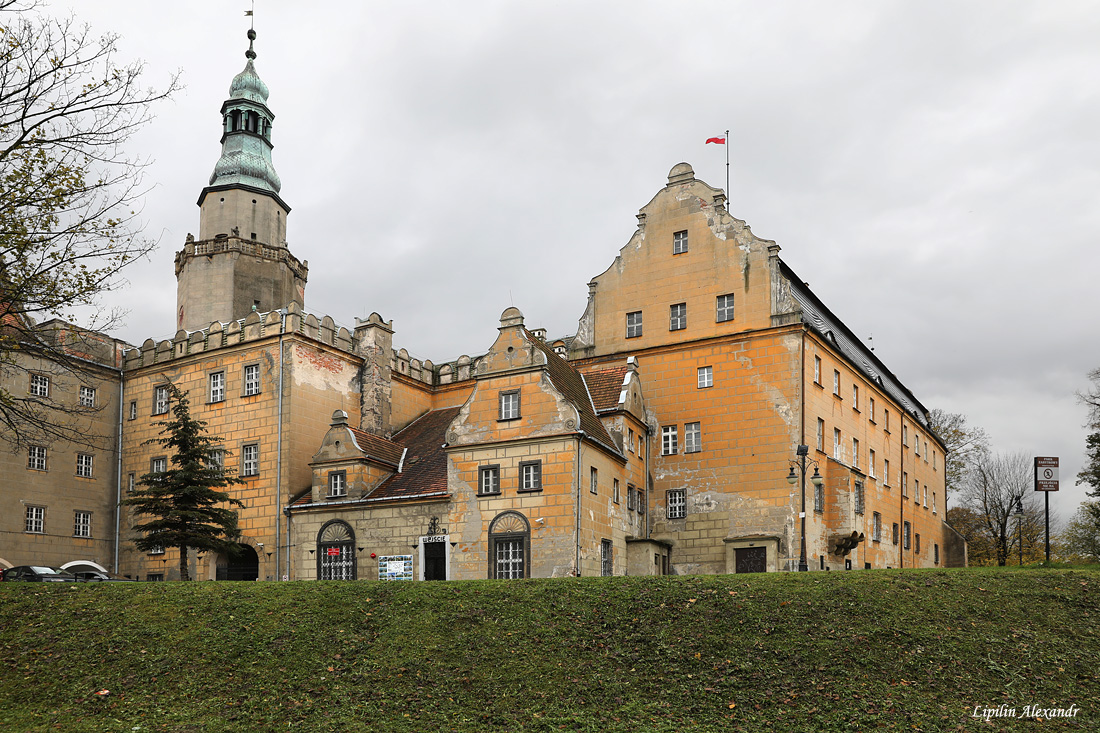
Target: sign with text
[[1046, 474]]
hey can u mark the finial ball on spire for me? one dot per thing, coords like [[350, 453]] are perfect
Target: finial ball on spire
[[251, 34]]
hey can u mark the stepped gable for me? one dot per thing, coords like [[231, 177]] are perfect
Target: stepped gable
[[605, 386], [377, 449], [570, 383], [424, 470]]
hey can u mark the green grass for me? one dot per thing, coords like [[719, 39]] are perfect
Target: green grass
[[879, 650]]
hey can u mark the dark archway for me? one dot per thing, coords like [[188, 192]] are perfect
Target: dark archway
[[241, 565]]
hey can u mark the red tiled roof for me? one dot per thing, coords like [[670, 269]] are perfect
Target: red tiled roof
[[425, 467], [570, 383], [380, 449], [605, 386]]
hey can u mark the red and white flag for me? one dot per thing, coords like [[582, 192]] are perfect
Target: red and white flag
[[718, 139]]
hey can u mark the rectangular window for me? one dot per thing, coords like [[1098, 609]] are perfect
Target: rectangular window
[[131, 482], [216, 458], [593, 480], [488, 480], [885, 472], [639, 503], [693, 437], [935, 553], [918, 543], [35, 520], [905, 434], [338, 483], [36, 458], [905, 483], [836, 383], [530, 476], [724, 308], [706, 377], [250, 459], [926, 496], [916, 491], [876, 527], [817, 370], [871, 407], [916, 444], [819, 497], [871, 463], [40, 385], [855, 397], [158, 465], [630, 498], [859, 497], [160, 400], [251, 379], [217, 387], [677, 317], [84, 465], [855, 453], [669, 443], [933, 502], [633, 324], [679, 242], [933, 460], [87, 397], [894, 533], [630, 439], [837, 450], [615, 491], [82, 524], [133, 410], [509, 405], [607, 563], [158, 550], [509, 558], [676, 502], [907, 536], [886, 420], [821, 435]]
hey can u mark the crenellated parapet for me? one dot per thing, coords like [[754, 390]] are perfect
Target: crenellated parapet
[[235, 243]]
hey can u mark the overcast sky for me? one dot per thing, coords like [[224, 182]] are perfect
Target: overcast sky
[[932, 169]]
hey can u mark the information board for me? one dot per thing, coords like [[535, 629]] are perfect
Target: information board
[[395, 567], [1046, 474]]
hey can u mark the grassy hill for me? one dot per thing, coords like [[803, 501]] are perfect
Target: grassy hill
[[879, 650]]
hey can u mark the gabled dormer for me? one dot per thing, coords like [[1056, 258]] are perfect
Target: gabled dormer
[[351, 463]]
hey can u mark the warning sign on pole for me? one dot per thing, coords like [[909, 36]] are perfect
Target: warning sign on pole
[[1046, 474]]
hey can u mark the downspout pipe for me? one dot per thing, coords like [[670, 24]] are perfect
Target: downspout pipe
[[901, 494], [118, 467], [577, 512], [279, 462]]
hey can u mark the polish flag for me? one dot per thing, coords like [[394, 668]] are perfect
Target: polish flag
[[720, 140]]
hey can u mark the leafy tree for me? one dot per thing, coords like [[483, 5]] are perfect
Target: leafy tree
[[68, 195], [965, 443], [1080, 540], [980, 549], [994, 484], [186, 506], [1091, 473]]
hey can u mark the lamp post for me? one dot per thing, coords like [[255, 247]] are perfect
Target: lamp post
[[1019, 533], [792, 477]]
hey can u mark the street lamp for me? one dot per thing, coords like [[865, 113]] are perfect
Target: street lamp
[[1019, 534], [792, 477]]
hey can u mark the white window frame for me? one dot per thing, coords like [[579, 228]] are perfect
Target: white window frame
[[838, 448], [633, 324], [337, 484], [670, 443], [871, 463], [679, 242], [693, 437], [821, 435], [85, 465], [886, 471], [251, 379], [817, 370], [36, 457], [630, 440], [593, 480], [82, 524], [488, 480], [158, 465], [250, 459], [676, 503], [705, 376], [530, 476], [855, 397], [615, 491], [87, 396], [677, 317], [133, 410], [871, 407], [34, 521], [836, 382], [40, 385], [217, 386], [160, 400], [905, 483], [855, 452], [509, 405], [723, 308]]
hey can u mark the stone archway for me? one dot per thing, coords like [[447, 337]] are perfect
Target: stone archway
[[242, 565]]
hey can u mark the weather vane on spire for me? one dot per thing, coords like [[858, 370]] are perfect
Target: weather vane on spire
[[251, 53]]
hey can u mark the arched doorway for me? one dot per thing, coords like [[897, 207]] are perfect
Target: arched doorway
[[336, 551], [509, 547], [241, 565]]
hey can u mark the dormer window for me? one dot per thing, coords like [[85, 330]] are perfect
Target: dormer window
[[337, 484]]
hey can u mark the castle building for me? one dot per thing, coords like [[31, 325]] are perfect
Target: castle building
[[657, 439]]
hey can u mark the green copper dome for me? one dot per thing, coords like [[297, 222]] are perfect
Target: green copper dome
[[246, 127]]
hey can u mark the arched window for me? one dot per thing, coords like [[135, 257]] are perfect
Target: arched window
[[509, 547], [336, 552]]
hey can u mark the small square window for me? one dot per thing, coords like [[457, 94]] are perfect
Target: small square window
[[82, 524], [160, 400], [84, 465], [158, 465], [593, 480], [509, 405], [676, 503], [530, 476], [693, 437], [677, 317], [488, 480], [633, 324], [724, 309], [669, 442], [217, 387], [251, 380], [216, 458], [87, 397], [250, 459], [337, 483], [706, 377], [36, 458], [40, 385], [35, 520], [679, 242]]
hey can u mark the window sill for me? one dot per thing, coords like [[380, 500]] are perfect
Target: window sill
[[490, 493], [872, 421], [254, 394], [838, 397], [635, 336], [529, 491], [336, 496], [509, 419], [819, 385]]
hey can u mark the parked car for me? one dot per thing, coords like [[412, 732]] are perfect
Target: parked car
[[39, 574], [98, 576]]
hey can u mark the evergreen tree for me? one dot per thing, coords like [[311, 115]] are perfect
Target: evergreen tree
[[188, 507], [1091, 473]]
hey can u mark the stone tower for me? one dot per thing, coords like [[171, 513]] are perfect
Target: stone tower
[[240, 261]]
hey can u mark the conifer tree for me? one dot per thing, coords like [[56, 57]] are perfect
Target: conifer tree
[[187, 502]]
